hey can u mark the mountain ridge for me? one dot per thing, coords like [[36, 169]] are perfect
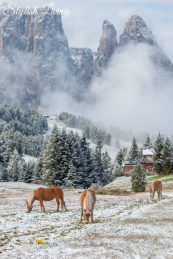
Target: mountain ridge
[[36, 57]]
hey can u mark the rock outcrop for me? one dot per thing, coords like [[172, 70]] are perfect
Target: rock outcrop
[[136, 31], [35, 57], [39, 40], [107, 45], [83, 62]]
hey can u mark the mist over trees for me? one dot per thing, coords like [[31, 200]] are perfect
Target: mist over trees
[[88, 128]]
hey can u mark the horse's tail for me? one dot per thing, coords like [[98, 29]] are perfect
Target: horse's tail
[[30, 201]]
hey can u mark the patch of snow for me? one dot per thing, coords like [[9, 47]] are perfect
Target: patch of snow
[[28, 158]]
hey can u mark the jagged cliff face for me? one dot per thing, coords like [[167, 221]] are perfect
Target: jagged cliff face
[[40, 41], [83, 62], [136, 31], [35, 57], [107, 45]]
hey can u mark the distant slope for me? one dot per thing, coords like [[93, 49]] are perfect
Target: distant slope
[[53, 120]]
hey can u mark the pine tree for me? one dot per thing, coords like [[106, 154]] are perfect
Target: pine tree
[[118, 170], [138, 179], [98, 165], [50, 166], [62, 159], [3, 173], [158, 154], [76, 175], [107, 167], [120, 157], [29, 172], [147, 144], [38, 169], [13, 166], [133, 154], [167, 157]]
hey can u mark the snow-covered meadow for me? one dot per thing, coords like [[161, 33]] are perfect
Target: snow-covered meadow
[[130, 226]]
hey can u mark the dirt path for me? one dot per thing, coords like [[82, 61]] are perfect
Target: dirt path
[[124, 227]]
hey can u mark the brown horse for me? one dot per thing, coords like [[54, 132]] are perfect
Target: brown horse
[[46, 194], [87, 201], [155, 186]]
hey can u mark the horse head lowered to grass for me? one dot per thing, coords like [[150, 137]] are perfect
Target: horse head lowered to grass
[[87, 201], [46, 194], [155, 186]]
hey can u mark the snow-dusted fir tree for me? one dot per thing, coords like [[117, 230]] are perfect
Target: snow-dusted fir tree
[[98, 164], [87, 162], [133, 153], [38, 169], [118, 169], [120, 157], [13, 166], [158, 154], [167, 157], [138, 179], [29, 172], [107, 169], [147, 144], [62, 158], [3, 173], [76, 171], [50, 166]]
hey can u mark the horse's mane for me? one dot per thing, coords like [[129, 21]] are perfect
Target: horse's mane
[[31, 199]]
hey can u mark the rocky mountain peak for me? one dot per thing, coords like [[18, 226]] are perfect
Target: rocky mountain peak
[[137, 31], [107, 45]]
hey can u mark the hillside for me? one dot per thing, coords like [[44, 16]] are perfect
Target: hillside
[[130, 226], [54, 120]]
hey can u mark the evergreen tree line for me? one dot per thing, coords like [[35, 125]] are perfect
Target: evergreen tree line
[[162, 155], [28, 123], [89, 130], [20, 131], [66, 159]]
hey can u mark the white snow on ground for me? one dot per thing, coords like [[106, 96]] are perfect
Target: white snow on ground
[[28, 158], [129, 226]]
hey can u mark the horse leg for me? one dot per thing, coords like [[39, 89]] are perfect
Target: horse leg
[[161, 193], [57, 200], [81, 214], [91, 217], [151, 195], [42, 206], [64, 205]]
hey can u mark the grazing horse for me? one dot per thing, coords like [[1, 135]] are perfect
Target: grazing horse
[[87, 201], [46, 194], [155, 186]]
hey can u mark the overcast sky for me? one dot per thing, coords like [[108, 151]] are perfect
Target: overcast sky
[[83, 25]]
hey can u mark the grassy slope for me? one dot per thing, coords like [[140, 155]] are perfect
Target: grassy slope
[[122, 185]]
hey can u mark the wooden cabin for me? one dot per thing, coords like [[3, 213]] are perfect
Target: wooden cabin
[[146, 161]]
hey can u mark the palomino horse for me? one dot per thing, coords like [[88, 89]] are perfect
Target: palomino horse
[[156, 186], [46, 194], [87, 201]]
